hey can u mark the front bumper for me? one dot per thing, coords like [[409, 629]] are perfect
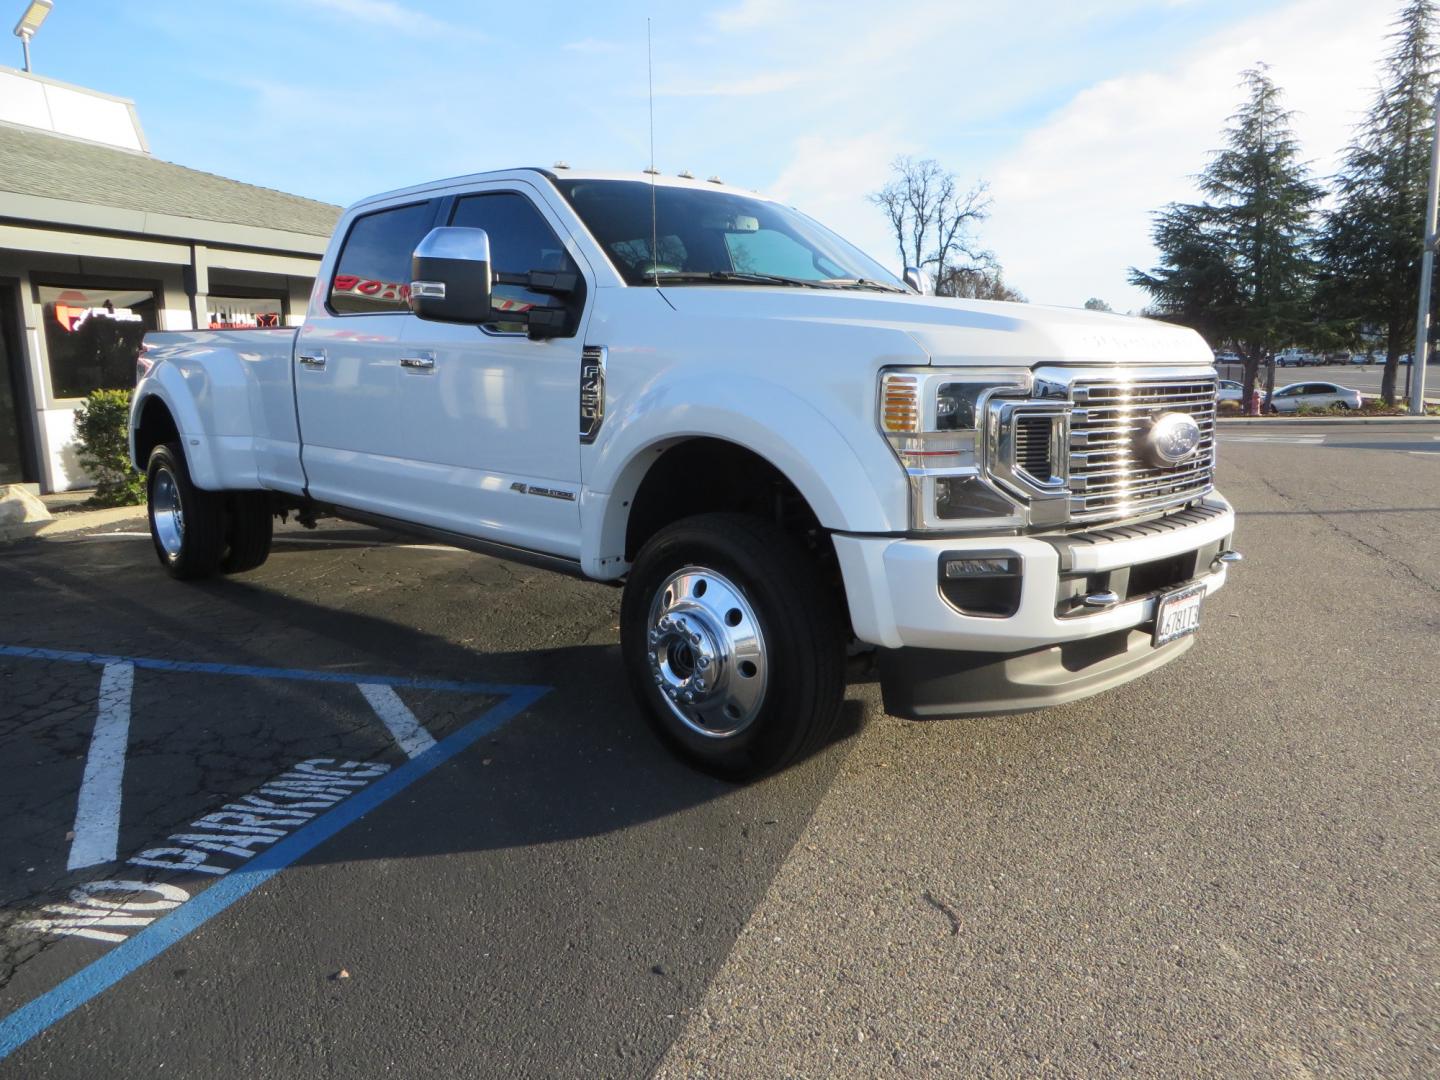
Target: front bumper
[[892, 584], [926, 684], [937, 660]]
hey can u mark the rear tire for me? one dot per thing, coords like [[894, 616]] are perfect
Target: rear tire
[[248, 536], [734, 644], [187, 525]]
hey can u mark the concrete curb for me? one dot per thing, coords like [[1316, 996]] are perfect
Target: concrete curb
[[1324, 421], [72, 523]]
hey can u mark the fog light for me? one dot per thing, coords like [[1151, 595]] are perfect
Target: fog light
[[981, 584], [957, 568]]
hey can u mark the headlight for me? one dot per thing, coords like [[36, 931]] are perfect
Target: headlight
[[935, 419]]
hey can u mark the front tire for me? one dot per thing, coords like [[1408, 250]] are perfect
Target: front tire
[[187, 525], [734, 644]]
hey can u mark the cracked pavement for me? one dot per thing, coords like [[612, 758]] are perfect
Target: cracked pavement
[[1228, 868]]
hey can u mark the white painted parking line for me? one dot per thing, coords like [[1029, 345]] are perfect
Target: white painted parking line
[[1290, 440], [97, 814], [408, 732]]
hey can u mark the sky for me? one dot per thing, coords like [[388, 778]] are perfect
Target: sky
[[1083, 116]]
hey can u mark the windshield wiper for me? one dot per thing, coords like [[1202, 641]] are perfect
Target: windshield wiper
[[735, 277], [863, 283]]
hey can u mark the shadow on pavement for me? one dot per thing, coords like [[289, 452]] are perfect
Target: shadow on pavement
[[566, 887]]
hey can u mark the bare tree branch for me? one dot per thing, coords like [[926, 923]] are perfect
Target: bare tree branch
[[934, 220]]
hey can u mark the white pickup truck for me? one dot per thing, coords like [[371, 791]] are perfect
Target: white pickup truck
[[783, 452]]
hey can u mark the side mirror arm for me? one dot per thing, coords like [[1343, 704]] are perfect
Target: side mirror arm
[[540, 322], [550, 282]]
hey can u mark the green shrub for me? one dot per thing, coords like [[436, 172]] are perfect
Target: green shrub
[[102, 429]]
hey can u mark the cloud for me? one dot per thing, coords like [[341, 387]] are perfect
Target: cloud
[[827, 178], [1073, 200], [771, 82], [387, 14], [748, 14], [593, 47]]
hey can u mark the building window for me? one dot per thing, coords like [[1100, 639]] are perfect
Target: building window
[[244, 312], [93, 335]]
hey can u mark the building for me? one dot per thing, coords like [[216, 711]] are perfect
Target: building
[[101, 241]]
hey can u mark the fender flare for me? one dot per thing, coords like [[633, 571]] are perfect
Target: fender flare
[[167, 384], [769, 420]]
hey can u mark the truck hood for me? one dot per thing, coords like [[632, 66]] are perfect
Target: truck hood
[[952, 331]]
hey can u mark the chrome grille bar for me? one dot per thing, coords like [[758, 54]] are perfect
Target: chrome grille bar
[[1108, 478]]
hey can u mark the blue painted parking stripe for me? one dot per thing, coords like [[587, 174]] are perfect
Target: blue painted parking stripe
[[35, 1016], [25, 652]]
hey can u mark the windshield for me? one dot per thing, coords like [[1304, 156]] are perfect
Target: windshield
[[715, 237]]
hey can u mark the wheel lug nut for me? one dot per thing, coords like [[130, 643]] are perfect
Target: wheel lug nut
[[694, 639], [702, 663]]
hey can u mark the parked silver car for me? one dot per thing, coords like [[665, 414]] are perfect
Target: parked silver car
[[1316, 395], [1230, 390]]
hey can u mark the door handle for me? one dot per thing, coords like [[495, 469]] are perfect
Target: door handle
[[313, 361], [423, 362]]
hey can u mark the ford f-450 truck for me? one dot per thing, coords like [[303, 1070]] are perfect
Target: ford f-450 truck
[[783, 452]]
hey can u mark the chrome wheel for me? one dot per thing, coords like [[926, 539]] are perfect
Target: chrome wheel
[[166, 514], [707, 652]]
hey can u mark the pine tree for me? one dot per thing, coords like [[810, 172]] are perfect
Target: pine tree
[[1373, 237], [1237, 267]]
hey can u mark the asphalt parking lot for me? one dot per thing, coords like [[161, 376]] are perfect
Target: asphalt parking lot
[[380, 809]]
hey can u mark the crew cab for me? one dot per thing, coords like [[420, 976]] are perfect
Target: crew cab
[[784, 453]]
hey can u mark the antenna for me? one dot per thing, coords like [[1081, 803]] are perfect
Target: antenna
[[654, 222]]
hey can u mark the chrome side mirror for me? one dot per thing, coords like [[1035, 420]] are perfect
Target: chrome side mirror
[[919, 281], [450, 276]]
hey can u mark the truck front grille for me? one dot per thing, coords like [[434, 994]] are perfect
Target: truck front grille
[[1108, 478]]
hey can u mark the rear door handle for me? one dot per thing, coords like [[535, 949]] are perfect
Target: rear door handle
[[313, 361], [422, 362]]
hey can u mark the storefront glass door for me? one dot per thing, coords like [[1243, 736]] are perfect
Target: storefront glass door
[[13, 457]]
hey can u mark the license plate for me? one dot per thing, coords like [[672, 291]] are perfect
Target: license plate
[[1177, 614]]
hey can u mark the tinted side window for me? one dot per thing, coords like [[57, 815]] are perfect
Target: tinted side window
[[520, 241], [373, 272]]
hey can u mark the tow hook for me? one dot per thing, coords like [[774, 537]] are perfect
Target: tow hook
[[1226, 558]]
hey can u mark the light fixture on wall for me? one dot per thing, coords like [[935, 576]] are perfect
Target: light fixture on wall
[[29, 23]]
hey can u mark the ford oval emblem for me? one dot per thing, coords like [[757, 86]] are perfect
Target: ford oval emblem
[[1172, 438]]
